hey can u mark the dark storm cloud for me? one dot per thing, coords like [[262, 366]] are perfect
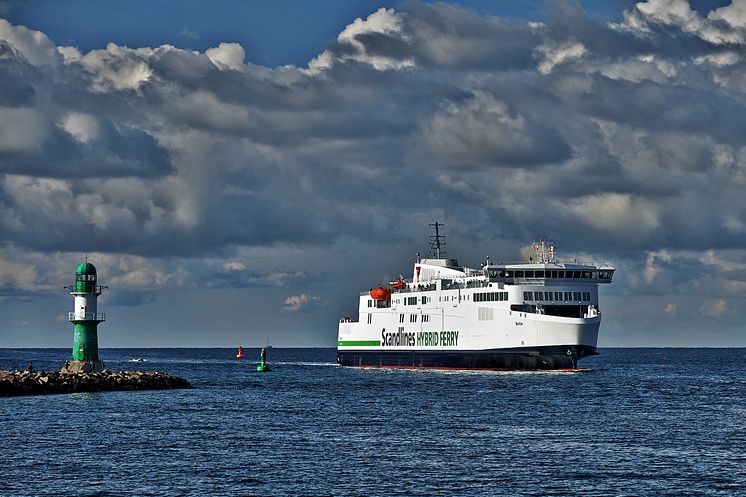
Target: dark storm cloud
[[623, 140]]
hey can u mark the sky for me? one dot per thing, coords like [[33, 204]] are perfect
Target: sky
[[239, 171]]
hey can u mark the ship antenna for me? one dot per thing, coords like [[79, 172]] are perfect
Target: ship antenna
[[437, 242]]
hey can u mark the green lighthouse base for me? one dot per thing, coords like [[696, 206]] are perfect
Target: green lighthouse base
[[73, 366]]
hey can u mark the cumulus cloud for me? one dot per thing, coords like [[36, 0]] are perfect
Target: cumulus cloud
[[714, 308], [33, 46], [227, 56], [357, 42], [301, 303]]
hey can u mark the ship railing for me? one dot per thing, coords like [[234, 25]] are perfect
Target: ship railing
[[88, 316]]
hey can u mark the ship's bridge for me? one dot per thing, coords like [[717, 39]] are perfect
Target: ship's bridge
[[514, 273]]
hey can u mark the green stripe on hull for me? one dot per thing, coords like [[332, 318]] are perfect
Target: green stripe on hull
[[359, 343]]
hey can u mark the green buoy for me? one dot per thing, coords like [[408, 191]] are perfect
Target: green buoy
[[262, 367]]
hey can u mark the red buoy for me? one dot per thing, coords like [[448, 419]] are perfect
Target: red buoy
[[239, 355]]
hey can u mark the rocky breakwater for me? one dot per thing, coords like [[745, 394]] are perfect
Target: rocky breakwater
[[42, 382]]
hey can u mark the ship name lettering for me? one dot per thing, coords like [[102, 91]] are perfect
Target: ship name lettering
[[398, 338]]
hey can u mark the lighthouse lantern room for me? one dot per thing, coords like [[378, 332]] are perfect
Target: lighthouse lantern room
[[85, 319]]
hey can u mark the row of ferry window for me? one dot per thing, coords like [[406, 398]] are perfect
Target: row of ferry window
[[554, 273], [490, 297], [413, 318], [557, 296]]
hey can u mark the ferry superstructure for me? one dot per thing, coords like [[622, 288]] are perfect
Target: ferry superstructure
[[540, 314]]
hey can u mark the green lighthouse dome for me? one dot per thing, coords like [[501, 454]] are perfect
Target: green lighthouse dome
[[86, 268], [85, 277]]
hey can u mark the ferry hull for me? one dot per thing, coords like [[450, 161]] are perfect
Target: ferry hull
[[533, 358]]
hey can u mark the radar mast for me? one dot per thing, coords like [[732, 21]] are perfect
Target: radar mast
[[437, 241]]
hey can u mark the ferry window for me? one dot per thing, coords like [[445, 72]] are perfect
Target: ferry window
[[560, 274], [519, 274], [505, 295], [576, 296], [587, 296], [501, 274], [527, 296], [576, 274], [529, 274], [538, 296], [539, 274], [557, 296], [424, 300], [370, 303], [594, 275], [370, 318], [401, 318], [552, 274], [548, 296], [508, 274], [568, 296], [586, 274]]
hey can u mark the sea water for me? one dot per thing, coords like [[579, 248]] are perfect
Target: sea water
[[657, 422]]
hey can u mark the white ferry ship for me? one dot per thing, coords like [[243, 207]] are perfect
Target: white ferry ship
[[540, 314]]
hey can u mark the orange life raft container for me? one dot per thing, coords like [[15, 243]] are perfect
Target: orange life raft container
[[380, 293]]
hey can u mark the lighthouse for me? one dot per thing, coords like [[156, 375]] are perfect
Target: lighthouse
[[85, 319]]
